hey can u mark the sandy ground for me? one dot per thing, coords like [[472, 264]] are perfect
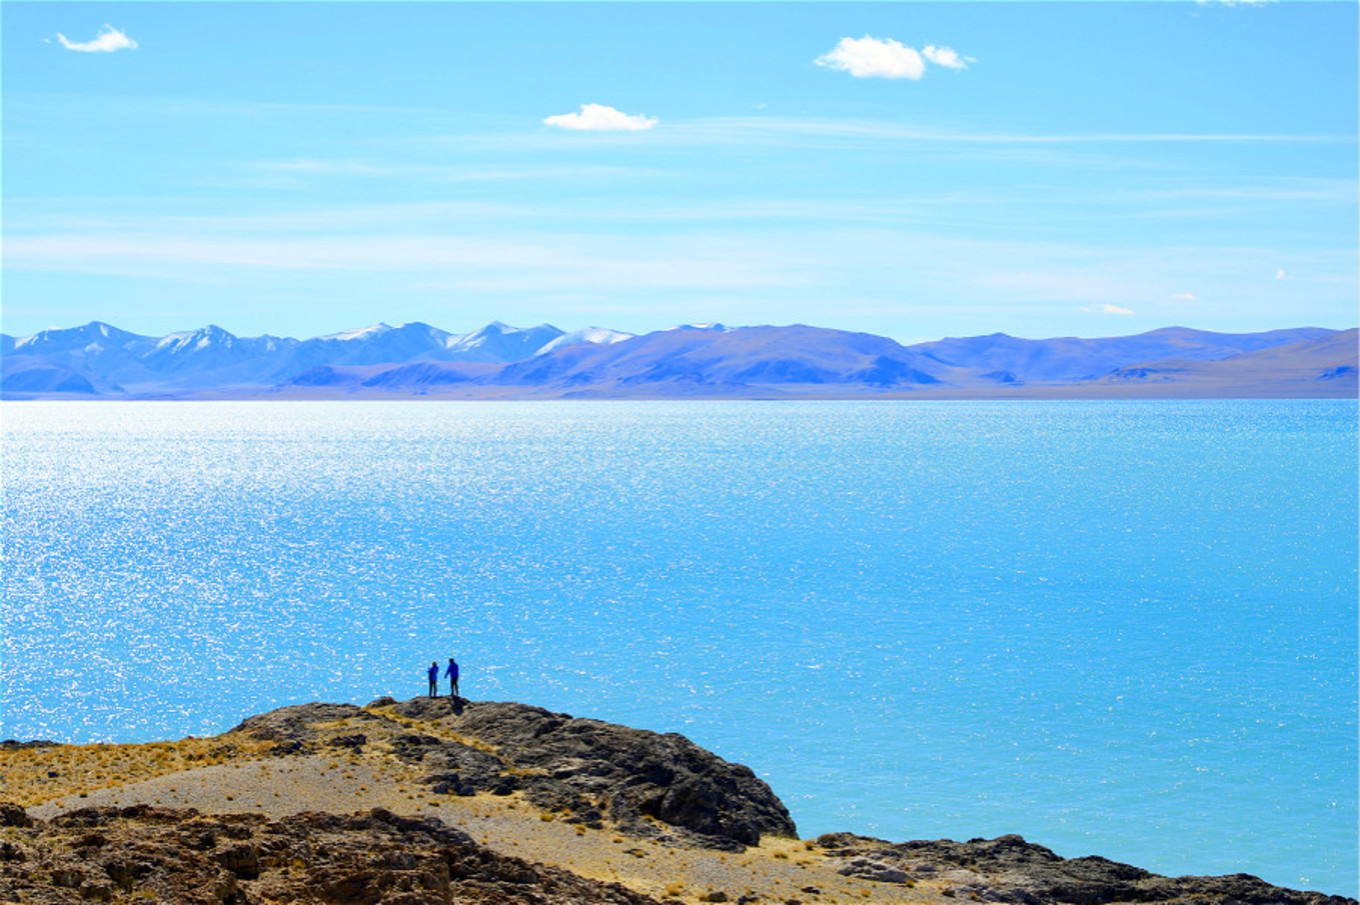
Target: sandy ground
[[780, 870]]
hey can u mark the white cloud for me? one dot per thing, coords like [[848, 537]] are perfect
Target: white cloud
[[868, 57], [601, 118], [1186, 297], [1106, 309], [1279, 273], [108, 40], [947, 57]]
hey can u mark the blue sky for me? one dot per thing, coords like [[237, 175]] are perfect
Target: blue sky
[[910, 169]]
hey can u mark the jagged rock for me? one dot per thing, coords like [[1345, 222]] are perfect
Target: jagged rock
[[870, 869], [1009, 869], [10, 744], [13, 815], [572, 764], [295, 724], [560, 763], [184, 857]]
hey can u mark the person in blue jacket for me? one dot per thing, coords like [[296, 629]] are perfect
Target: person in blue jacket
[[434, 679], [452, 674]]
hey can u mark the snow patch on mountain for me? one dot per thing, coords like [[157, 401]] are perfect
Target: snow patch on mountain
[[501, 342], [361, 333], [709, 328], [600, 336]]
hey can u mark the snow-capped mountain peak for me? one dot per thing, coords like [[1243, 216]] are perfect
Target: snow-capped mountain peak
[[360, 333], [602, 336], [498, 341], [711, 328], [197, 340]]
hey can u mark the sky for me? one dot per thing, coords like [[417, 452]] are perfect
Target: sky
[[915, 170]]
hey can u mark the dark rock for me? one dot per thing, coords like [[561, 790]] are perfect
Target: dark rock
[[871, 869], [294, 724], [10, 744], [571, 763], [242, 860], [428, 708], [453, 787], [376, 858], [477, 769], [12, 814], [355, 741], [1009, 869], [561, 763], [413, 739], [290, 747]]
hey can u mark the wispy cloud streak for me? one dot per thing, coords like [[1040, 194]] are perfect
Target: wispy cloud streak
[[736, 128]]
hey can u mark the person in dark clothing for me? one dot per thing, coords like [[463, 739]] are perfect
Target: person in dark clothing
[[434, 679], [452, 673]]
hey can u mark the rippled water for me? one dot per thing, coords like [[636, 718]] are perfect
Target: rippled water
[[1117, 628]]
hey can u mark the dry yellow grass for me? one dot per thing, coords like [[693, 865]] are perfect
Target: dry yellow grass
[[30, 776], [233, 774]]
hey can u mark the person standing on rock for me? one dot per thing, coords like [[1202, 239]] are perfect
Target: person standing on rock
[[434, 679], [452, 674]]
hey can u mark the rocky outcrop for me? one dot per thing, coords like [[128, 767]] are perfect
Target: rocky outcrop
[[588, 772], [181, 856], [646, 783], [1009, 869], [10, 744]]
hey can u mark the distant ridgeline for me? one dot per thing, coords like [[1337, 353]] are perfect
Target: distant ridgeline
[[99, 361]]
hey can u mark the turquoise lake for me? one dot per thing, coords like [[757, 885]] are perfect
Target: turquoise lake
[[1116, 628]]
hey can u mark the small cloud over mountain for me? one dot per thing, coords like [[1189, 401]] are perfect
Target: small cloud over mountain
[[1106, 309], [1186, 297], [108, 40], [601, 118], [1279, 273], [870, 57]]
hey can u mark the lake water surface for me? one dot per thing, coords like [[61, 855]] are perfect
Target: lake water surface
[[1117, 628]]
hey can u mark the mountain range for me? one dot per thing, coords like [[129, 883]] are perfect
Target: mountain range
[[498, 361]]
